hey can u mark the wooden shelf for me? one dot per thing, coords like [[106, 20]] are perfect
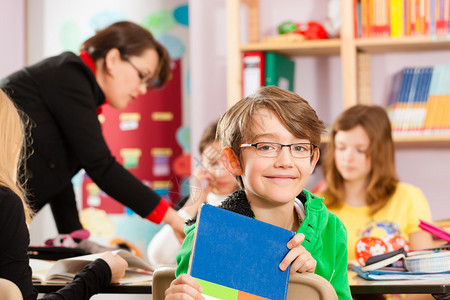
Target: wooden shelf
[[401, 44], [422, 140], [369, 45], [425, 140], [301, 48]]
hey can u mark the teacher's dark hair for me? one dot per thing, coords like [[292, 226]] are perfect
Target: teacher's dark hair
[[131, 40]]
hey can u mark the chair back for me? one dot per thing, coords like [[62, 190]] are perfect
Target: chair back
[[310, 286], [301, 285], [162, 277], [9, 290]]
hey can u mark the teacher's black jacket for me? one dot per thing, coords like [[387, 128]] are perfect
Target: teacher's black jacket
[[61, 95]]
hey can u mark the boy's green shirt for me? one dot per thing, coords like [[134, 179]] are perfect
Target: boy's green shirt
[[325, 239]]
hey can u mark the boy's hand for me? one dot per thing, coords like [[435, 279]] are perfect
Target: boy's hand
[[184, 287], [200, 186], [300, 259]]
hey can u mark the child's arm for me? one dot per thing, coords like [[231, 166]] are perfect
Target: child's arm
[[299, 258], [184, 287]]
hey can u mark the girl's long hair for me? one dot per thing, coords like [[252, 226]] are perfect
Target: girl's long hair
[[13, 136], [382, 178]]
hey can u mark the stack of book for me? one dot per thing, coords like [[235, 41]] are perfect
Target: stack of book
[[398, 18], [419, 101], [414, 265], [431, 263]]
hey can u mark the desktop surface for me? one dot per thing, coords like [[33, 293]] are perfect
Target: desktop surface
[[360, 285]]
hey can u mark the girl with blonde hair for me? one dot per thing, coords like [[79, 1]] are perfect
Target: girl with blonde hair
[[15, 214]]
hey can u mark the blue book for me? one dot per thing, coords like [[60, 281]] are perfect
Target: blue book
[[237, 257]]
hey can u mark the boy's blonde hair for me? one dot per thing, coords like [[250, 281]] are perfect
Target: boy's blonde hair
[[12, 149], [235, 126]]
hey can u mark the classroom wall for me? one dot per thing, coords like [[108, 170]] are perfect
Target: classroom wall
[[208, 55], [12, 51]]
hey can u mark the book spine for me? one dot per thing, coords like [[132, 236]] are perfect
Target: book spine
[[410, 101], [414, 108], [432, 18], [356, 17], [445, 121], [252, 72], [445, 17], [413, 8], [393, 99], [403, 100], [426, 79], [397, 18], [365, 30], [407, 17], [432, 102]]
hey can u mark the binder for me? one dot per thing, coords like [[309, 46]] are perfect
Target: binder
[[252, 72], [279, 71]]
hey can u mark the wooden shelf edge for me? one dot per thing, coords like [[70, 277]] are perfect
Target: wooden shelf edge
[[423, 140], [402, 44], [303, 48], [370, 45]]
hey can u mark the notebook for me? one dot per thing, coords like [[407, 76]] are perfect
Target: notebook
[[237, 257]]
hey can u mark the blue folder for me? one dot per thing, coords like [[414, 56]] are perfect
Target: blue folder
[[239, 252]]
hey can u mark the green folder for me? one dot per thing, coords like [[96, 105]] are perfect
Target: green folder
[[279, 71]]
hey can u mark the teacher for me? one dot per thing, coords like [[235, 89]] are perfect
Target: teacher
[[62, 94]]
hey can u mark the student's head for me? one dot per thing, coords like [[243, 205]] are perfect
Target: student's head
[[271, 115], [12, 148], [129, 61], [223, 182], [361, 149]]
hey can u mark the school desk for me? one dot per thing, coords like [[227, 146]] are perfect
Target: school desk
[[357, 286], [436, 287], [145, 288]]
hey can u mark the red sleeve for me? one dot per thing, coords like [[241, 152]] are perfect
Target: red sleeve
[[159, 212]]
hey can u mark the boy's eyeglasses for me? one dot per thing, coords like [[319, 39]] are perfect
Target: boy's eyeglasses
[[298, 150], [142, 76]]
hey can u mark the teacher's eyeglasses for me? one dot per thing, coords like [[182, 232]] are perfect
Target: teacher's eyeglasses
[[142, 76]]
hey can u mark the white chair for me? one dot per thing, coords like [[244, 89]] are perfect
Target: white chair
[[301, 285], [9, 290]]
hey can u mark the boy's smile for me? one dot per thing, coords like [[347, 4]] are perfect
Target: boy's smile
[[274, 181]]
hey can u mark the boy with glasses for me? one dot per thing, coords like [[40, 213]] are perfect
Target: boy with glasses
[[269, 144]]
